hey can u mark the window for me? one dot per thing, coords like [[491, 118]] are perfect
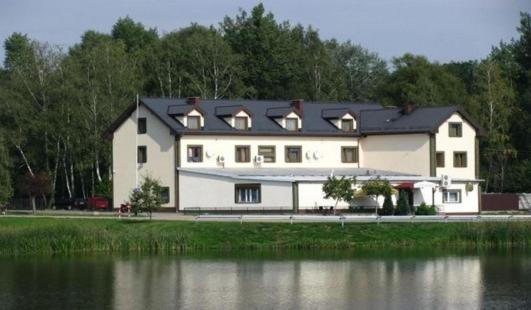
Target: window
[[241, 123], [195, 153], [268, 152], [347, 125], [165, 194], [439, 158], [452, 196], [142, 126], [141, 154], [293, 154], [292, 124], [459, 159], [243, 154], [194, 122], [349, 154], [247, 193], [455, 129]]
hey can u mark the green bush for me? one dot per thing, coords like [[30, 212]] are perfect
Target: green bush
[[402, 206], [424, 209], [388, 208]]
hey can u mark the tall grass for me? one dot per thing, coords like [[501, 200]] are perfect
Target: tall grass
[[45, 235]]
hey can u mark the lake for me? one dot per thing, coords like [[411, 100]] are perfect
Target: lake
[[325, 280]]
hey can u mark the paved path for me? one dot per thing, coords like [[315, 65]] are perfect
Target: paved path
[[170, 216]]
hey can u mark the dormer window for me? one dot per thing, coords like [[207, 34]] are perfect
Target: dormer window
[[343, 119], [190, 116], [292, 124], [194, 122], [241, 122], [347, 124], [236, 116]]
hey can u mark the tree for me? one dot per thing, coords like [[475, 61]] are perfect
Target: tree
[[268, 56], [38, 184], [387, 208], [493, 105], [402, 206], [377, 187], [417, 80], [339, 189], [146, 198], [6, 189], [363, 72]]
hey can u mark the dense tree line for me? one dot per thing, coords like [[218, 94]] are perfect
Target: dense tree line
[[55, 104]]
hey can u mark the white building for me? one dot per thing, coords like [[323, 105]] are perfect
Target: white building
[[219, 155]]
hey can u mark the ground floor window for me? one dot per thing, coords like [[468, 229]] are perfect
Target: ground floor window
[[452, 196], [165, 194], [247, 193]]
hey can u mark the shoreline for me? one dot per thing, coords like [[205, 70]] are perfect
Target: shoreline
[[39, 235]]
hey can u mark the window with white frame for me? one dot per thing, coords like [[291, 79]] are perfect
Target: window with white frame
[[247, 193], [452, 196]]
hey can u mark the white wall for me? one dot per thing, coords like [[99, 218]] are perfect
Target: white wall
[[329, 149], [401, 153], [205, 191], [160, 156], [469, 200], [466, 143]]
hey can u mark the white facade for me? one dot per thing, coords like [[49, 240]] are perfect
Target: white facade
[[160, 146], [317, 152], [409, 154]]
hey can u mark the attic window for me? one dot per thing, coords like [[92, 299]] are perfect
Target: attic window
[[292, 123], [241, 123], [194, 122], [347, 125]]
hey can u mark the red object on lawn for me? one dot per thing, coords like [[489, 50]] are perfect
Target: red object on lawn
[[97, 203]]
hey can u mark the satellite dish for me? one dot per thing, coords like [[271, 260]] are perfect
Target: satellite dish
[[308, 155], [316, 155]]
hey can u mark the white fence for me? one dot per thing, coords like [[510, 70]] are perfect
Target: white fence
[[342, 219]]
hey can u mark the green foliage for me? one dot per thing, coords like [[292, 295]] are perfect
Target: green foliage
[[424, 209], [339, 189], [25, 236], [417, 80], [377, 187], [6, 188], [402, 205], [147, 198], [387, 208], [104, 189]]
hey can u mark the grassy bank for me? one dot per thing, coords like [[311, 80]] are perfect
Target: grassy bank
[[45, 235]]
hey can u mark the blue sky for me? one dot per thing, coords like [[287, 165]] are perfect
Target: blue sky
[[443, 30]]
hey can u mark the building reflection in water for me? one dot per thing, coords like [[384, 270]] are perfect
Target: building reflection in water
[[440, 283]]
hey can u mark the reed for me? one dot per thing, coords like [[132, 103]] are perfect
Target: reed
[[49, 236]]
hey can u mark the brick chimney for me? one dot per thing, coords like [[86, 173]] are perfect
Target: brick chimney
[[408, 107], [298, 104], [193, 100]]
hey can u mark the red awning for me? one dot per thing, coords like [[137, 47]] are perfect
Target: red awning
[[405, 185]]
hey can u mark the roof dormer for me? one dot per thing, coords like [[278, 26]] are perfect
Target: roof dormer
[[238, 117], [189, 115], [343, 119], [288, 118]]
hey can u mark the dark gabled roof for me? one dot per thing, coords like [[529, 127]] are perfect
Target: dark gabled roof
[[231, 110], [336, 113], [372, 117], [423, 119], [281, 112]]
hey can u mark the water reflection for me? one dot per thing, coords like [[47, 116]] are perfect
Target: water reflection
[[448, 282]]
